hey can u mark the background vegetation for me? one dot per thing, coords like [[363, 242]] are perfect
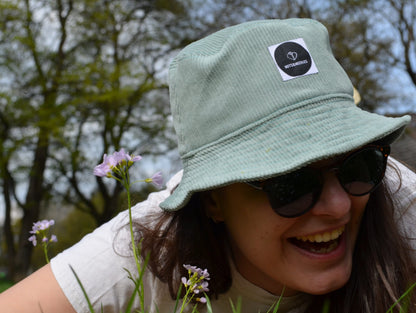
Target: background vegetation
[[80, 78]]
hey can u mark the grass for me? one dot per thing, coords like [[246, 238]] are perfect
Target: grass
[[4, 284]]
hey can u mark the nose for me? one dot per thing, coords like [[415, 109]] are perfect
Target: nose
[[334, 201]]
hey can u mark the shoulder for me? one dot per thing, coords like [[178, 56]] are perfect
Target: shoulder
[[401, 183]]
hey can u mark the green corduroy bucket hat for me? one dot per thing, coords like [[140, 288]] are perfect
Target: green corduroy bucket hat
[[261, 99]]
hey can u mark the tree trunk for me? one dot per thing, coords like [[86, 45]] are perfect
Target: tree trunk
[[32, 205], [7, 230]]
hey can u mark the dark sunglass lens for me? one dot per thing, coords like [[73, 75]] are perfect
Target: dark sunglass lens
[[363, 171], [296, 207], [293, 194]]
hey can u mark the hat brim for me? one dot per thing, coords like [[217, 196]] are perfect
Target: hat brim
[[281, 144]]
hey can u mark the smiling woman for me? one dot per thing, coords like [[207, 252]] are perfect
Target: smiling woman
[[287, 189]]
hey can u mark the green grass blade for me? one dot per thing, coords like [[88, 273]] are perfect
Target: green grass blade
[[177, 298], [276, 305], [209, 306], [401, 298], [133, 296], [238, 308], [326, 305], [83, 290]]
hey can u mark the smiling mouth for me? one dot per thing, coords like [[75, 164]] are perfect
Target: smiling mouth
[[319, 243]]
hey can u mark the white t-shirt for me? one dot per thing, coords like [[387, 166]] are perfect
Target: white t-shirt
[[100, 261]]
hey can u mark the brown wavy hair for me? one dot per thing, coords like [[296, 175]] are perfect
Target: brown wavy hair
[[186, 236], [383, 268]]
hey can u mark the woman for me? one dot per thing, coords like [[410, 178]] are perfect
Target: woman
[[282, 190]]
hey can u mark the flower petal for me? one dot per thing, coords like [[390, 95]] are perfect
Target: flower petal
[[33, 240], [157, 179]]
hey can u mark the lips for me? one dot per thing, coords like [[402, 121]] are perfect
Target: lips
[[321, 243]]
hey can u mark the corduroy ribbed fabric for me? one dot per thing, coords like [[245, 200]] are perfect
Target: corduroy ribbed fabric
[[241, 115]]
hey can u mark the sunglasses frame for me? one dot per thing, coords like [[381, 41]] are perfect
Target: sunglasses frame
[[385, 149]]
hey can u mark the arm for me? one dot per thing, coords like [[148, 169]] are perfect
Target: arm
[[38, 292]]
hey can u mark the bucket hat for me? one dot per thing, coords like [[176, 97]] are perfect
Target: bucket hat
[[261, 99]]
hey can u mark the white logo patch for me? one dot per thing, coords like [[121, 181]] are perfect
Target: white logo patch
[[293, 59]]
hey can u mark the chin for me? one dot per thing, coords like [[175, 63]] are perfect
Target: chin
[[325, 283], [324, 290], [325, 287]]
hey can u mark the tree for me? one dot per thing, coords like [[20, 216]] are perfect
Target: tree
[[120, 101], [80, 78], [374, 41], [362, 53], [8, 187], [38, 95], [397, 19], [402, 17]]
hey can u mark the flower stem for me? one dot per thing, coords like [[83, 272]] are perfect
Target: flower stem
[[133, 241], [185, 300], [45, 251]]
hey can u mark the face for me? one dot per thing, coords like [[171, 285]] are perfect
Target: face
[[311, 253]]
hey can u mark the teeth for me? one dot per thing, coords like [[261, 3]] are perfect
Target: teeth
[[332, 246], [324, 237]]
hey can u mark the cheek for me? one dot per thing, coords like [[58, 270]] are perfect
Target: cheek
[[358, 206], [248, 221], [241, 204], [251, 223]]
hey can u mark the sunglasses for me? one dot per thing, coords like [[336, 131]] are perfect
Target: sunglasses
[[295, 193]]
